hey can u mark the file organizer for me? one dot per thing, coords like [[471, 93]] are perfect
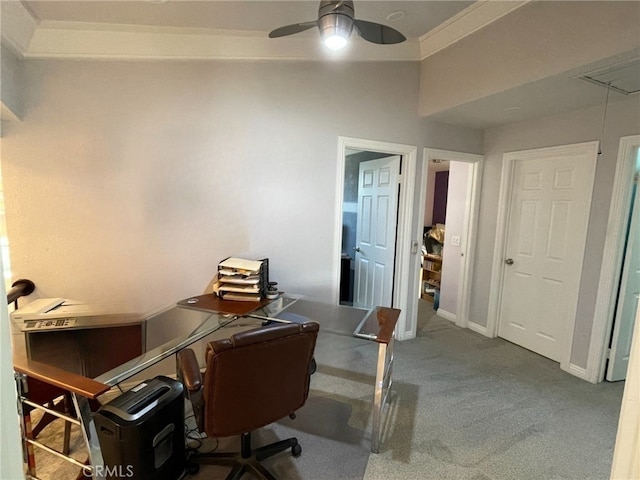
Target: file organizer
[[242, 280]]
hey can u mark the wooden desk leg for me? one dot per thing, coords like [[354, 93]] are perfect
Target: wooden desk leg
[[67, 426], [28, 447]]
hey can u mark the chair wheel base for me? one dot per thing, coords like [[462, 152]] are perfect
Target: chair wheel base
[[192, 468], [248, 459], [296, 450]]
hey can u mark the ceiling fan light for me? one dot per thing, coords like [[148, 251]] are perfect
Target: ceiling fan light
[[335, 30], [335, 42]]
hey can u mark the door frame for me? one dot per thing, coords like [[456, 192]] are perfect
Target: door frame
[[402, 288], [471, 214], [611, 260], [630, 267], [504, 210]]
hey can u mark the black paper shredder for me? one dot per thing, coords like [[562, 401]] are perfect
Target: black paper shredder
[[141, 432]]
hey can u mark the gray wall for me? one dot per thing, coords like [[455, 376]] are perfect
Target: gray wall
[[539, 40], [128, 182], [11, 82], [623, 118]]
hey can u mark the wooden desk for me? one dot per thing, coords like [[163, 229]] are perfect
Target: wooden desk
[[89, 350], [212, 303], [58, 377]]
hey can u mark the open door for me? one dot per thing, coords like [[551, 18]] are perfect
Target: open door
[[628, 293], [376, 232]]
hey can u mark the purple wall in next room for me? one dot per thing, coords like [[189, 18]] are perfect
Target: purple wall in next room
[[440, 197]]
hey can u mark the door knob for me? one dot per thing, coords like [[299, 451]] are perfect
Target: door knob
[[356, 249], [509, 261]]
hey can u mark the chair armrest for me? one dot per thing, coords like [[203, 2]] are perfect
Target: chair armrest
[[190, 370]]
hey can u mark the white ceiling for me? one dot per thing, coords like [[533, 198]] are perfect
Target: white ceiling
[[234, 27], [258, 16]]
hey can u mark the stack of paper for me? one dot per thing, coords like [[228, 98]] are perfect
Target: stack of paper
[[240, 279]]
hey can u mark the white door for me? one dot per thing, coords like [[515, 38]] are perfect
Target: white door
[[627, 300], [376, 232], [546, 235]]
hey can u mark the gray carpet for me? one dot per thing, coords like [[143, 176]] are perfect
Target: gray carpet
[[477, 408], [465, 407], [333, 427]]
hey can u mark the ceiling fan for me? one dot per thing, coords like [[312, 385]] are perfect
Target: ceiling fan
[[336, 20]]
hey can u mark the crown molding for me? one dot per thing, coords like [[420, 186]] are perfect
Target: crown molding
[[478, 15], [17, 26], [78, 40], [7, 114]]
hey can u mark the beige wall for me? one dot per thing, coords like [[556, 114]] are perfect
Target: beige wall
[[623, 118], [536, 41], [127, 182]]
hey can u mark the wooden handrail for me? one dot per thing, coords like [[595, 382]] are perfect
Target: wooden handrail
[[68, 381], [20, 288]]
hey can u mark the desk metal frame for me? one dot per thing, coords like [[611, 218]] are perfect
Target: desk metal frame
[[381, 395], [385, 319], [375, 325], [80, 389]]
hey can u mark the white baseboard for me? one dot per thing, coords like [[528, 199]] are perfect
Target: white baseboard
[[446, 315], [578, 372], [478, 328]]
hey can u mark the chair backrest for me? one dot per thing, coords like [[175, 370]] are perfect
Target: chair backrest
[[257, 377]]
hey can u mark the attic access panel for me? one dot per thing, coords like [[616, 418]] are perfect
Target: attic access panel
[[622, 78]]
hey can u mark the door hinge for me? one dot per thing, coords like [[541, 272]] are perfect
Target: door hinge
[[608, 354]]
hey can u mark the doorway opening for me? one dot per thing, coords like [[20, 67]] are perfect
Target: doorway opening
[[398, 288], [433, 234], [628, 290], [612, 259], [449, 211]]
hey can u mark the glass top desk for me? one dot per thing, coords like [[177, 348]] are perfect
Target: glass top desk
[[198, 317], [377, 324]]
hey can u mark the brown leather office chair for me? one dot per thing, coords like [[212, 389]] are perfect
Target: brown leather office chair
[[251, 380]]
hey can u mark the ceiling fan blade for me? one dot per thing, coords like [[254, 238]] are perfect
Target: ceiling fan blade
[[291, 29], [377, 33]]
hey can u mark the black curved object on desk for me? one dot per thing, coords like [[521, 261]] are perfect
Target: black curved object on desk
[[20, 288]]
